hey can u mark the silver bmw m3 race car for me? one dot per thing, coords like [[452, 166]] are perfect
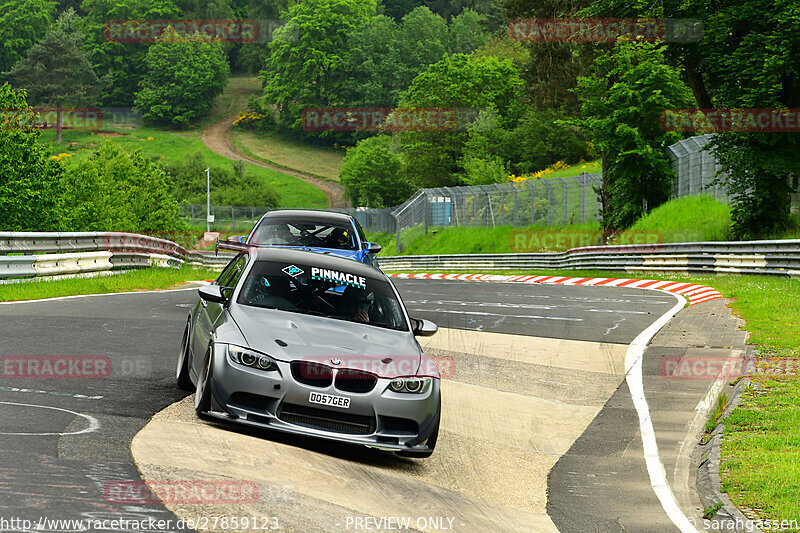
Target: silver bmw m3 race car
[[312, 344]]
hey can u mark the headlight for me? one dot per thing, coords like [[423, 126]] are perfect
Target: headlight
[[251, 358], [410, 385]]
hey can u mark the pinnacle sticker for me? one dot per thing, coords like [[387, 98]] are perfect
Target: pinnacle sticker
[[292, 270], [338, 277]]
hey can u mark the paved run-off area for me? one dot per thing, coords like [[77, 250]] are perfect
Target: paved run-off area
[[533, 366]]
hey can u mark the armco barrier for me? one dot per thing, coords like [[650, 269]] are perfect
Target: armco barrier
[[54, 253], [781, 258]]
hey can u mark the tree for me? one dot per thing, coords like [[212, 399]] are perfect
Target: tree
[[371, 174], [371, 66], [183, 76], [467, 32], [113, 190], [747, 58], [554, 67], [536, 141], [29, 195], [397, 9], [252, 56], [467, 86], [384, 57], [422, 39], [306, 59], [22, 23], [56, 71], [620, 105], [122, 62]]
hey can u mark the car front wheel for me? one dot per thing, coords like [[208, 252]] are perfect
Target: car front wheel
[[202, 395], [184, 382]]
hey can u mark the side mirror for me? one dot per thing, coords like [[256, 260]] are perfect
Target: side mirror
[[423, 328], [374, 247], [212, 293]]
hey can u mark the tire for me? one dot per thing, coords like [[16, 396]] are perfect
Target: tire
[[182, 372], [205, 381]]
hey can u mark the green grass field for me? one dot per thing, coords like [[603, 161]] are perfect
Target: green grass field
[[682, 220], [282, 151], [135, 280], [234, 98], [174, 145], [688, 219], [590, 167]]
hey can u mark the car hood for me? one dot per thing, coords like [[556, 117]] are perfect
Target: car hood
[[328, 341]]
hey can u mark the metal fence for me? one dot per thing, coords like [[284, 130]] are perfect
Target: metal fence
[[226, 217], [696, 171], [243, 218], [540, 202]]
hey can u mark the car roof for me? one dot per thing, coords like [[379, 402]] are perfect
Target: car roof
[[322, 216], [317, 259]]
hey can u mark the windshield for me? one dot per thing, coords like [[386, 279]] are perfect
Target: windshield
[[323, 292], [305, 233]]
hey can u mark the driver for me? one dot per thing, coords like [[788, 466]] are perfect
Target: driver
[[357, 303], [339, 238]]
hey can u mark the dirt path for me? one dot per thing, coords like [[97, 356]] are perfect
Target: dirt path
[[217, 138]]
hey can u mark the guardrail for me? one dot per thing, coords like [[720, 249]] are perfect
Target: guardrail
[[781, 258], [42, 254], [26, 255]]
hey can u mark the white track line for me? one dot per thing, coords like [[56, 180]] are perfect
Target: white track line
[[633, 377], [55, 298], [94, 424]]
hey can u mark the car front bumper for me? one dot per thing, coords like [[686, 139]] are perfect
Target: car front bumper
[[276, 400]]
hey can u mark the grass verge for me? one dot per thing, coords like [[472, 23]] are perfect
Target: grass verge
[[174, 146], [291, 154], [761, 447], [135, 280]]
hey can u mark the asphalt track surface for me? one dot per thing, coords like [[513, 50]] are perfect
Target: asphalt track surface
[[55, 465]]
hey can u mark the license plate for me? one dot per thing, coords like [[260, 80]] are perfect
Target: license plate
[[327, 399]]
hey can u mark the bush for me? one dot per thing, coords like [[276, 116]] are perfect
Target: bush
[[184, 74], [28, 176], [113, 190], [371, 175], [539, 141], [229, 186]]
